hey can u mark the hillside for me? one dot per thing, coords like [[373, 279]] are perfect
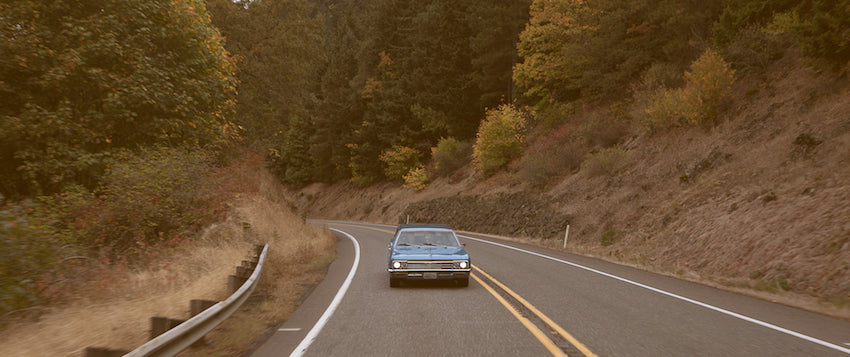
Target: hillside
[[759, 202]]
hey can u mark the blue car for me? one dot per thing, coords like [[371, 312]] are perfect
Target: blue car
[[427, 252]]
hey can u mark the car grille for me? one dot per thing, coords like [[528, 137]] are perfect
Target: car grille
[[430, 265]]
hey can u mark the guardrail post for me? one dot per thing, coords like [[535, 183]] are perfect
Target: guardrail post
[[258, 249], [244, 272], [234, 283], [198, 306], [176, 335], [161, 325], [249, 264], [103, 352]]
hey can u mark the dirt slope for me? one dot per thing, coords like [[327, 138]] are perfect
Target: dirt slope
[[759, 202]]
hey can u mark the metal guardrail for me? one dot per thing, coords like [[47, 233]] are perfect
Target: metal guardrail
[[184, 335]]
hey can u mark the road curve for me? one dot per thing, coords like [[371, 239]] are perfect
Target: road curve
[[531, 301]]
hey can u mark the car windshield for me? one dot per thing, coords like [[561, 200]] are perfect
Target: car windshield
[[428, 238]]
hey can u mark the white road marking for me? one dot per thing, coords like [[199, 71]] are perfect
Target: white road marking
[[311, 336], [293, 329], [695, 302]]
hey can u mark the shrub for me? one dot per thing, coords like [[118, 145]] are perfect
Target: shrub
[[416, 179], [399, 161], [153, 197], [604, 162], [753, 50], [605, 130], [449, 156], [30, 252], [551, 115], [664, 109], [742, 14], [539, 167], [500, 139], [698, 102], [662, 75], [610, 237]]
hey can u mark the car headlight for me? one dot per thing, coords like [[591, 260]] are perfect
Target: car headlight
[[464, 264], [397, 264]]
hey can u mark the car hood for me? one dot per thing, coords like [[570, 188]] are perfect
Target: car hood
[[429, 253]]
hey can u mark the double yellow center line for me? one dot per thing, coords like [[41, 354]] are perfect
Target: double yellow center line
[[540, 335]]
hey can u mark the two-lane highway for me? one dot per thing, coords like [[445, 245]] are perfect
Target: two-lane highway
[[592, 308]]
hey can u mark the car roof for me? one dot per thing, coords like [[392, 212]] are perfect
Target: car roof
[[422, 226]]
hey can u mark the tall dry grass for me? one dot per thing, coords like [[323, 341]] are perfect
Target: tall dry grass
[[118, 316]]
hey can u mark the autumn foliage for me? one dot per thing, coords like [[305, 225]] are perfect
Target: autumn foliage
[[500, 139], [81, 81]]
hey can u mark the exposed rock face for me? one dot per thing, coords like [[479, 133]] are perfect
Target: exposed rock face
[[517, 214]]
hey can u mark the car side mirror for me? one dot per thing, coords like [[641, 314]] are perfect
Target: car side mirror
[[463, 244]]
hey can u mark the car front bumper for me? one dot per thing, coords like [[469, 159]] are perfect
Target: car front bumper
[[429, 275]]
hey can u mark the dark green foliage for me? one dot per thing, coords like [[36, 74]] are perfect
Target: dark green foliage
[[574, 50], [82, 79], [400, 73], [338, 113], [31, 252], [291, 162], [823, 31], [277, 45], [739, 15], [826, 32], [752, 50]]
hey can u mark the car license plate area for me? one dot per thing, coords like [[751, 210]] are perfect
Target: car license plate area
[[432, 275]]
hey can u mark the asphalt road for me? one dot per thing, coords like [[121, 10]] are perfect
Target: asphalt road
[[528, 301]]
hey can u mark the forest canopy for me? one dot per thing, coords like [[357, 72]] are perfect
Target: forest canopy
[[80, 81]]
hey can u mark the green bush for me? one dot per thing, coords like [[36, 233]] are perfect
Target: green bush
[[698, 102], [500, 139], [449, 156], [604, 162], [399, 161]]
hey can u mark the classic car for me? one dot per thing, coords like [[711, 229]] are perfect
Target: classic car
[[427, 252]]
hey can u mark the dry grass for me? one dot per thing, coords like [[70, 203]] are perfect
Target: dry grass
[[119, 316]]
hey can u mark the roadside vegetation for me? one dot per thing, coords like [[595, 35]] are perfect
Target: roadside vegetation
[[129, 174], [131, 127]]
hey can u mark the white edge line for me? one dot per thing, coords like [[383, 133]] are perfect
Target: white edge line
[[311, 336], [695, 302]]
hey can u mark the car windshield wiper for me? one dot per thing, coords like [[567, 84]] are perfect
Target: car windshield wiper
[[429, 244], [402, 245]]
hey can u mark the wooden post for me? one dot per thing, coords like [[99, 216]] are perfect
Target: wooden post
[[161, 325], [198, 306], [234, 283]]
